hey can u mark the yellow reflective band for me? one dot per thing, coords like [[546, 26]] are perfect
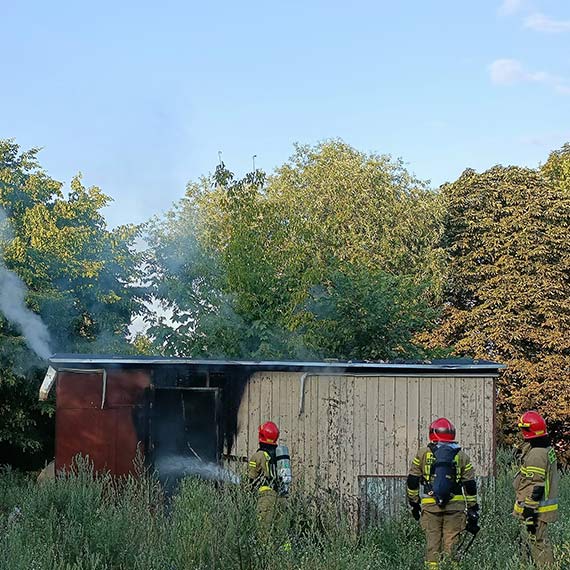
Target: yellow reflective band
[[544, 509], [529, 472], [416, 461], [413, 492], [264, 488], [538, 470], [471, 498], [431, 500], [468, 467], [428, 460], [530, 502], [253, 464]]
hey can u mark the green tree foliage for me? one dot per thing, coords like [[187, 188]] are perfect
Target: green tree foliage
[[508, 292], [367, 315], [237, 262], [79, 276]]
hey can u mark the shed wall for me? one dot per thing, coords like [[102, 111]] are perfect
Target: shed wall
[[353, 426], [98, 422]]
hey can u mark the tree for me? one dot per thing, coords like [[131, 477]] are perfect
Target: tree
[[236, 261], [360, 314], [206, 266], [508, 291], [79, 275]]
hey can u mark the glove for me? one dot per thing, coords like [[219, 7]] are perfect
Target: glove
[[472, 525], [530, 518], [416, 510]]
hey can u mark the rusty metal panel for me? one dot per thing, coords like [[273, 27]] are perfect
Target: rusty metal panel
[[126, 387], [79, 391], [89, 432], [108, 437], [128, 439]]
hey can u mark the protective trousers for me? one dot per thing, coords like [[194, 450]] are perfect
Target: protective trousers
[[268, 506], [539, 546], [442, 530]]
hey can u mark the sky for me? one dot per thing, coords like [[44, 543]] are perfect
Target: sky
[[140, 97]]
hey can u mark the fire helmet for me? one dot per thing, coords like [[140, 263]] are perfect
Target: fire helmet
[[442, 430], [532, 425], [268, 433]]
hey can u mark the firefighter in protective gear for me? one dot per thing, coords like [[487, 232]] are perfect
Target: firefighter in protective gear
[[536, 488], [442, 491], [263, 478]]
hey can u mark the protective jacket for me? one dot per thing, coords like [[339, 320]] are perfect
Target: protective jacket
[[421, 479], [262, 471], [536, 482]]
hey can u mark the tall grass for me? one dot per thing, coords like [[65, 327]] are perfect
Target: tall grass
[[91, 522]]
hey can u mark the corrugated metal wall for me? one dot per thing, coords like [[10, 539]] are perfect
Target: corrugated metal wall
[[352, 426]]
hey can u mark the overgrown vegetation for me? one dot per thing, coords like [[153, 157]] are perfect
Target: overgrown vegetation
[[86, 522]]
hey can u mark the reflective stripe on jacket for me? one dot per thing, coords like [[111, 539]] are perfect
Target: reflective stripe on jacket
[[421, 467], [262, 471], [538, 470]]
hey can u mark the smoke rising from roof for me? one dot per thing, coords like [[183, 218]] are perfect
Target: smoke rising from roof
[[13, 306]]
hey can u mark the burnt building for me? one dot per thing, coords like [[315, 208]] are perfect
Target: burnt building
[[352, 427]]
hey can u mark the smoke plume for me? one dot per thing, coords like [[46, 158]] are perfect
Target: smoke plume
[[13, 306]]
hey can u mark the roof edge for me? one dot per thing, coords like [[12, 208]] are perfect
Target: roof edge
[[59, 361]]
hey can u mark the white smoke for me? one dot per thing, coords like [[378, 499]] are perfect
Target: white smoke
[[12, 302]]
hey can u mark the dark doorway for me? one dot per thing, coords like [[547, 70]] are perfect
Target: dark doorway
[[184, 430]]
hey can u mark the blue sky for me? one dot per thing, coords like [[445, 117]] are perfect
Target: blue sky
[[141, 96]]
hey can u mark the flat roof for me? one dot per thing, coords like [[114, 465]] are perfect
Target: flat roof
[[441, 366]]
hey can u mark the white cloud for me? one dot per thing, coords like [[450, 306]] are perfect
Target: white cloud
[[541, 23], [509, 7], [511, 71], [507, 71]]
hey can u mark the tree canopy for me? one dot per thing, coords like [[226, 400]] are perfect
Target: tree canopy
[[508, 291], [80, 277], [245, 266]]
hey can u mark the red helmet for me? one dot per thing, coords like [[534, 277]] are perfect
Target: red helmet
[[268, 433], [532, 425], [442, 430]]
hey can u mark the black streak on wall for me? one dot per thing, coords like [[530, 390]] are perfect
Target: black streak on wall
[[231, 381], [231, 399]]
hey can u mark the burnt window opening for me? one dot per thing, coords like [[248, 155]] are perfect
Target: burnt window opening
[[185, 428]]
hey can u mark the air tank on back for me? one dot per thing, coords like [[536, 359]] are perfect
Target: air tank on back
[[284, 473]]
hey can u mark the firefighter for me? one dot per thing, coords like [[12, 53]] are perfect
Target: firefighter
[[263, 478], [536, 488], [441, 491]]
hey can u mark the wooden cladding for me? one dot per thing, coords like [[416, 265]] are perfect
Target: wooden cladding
[[351, 426]]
